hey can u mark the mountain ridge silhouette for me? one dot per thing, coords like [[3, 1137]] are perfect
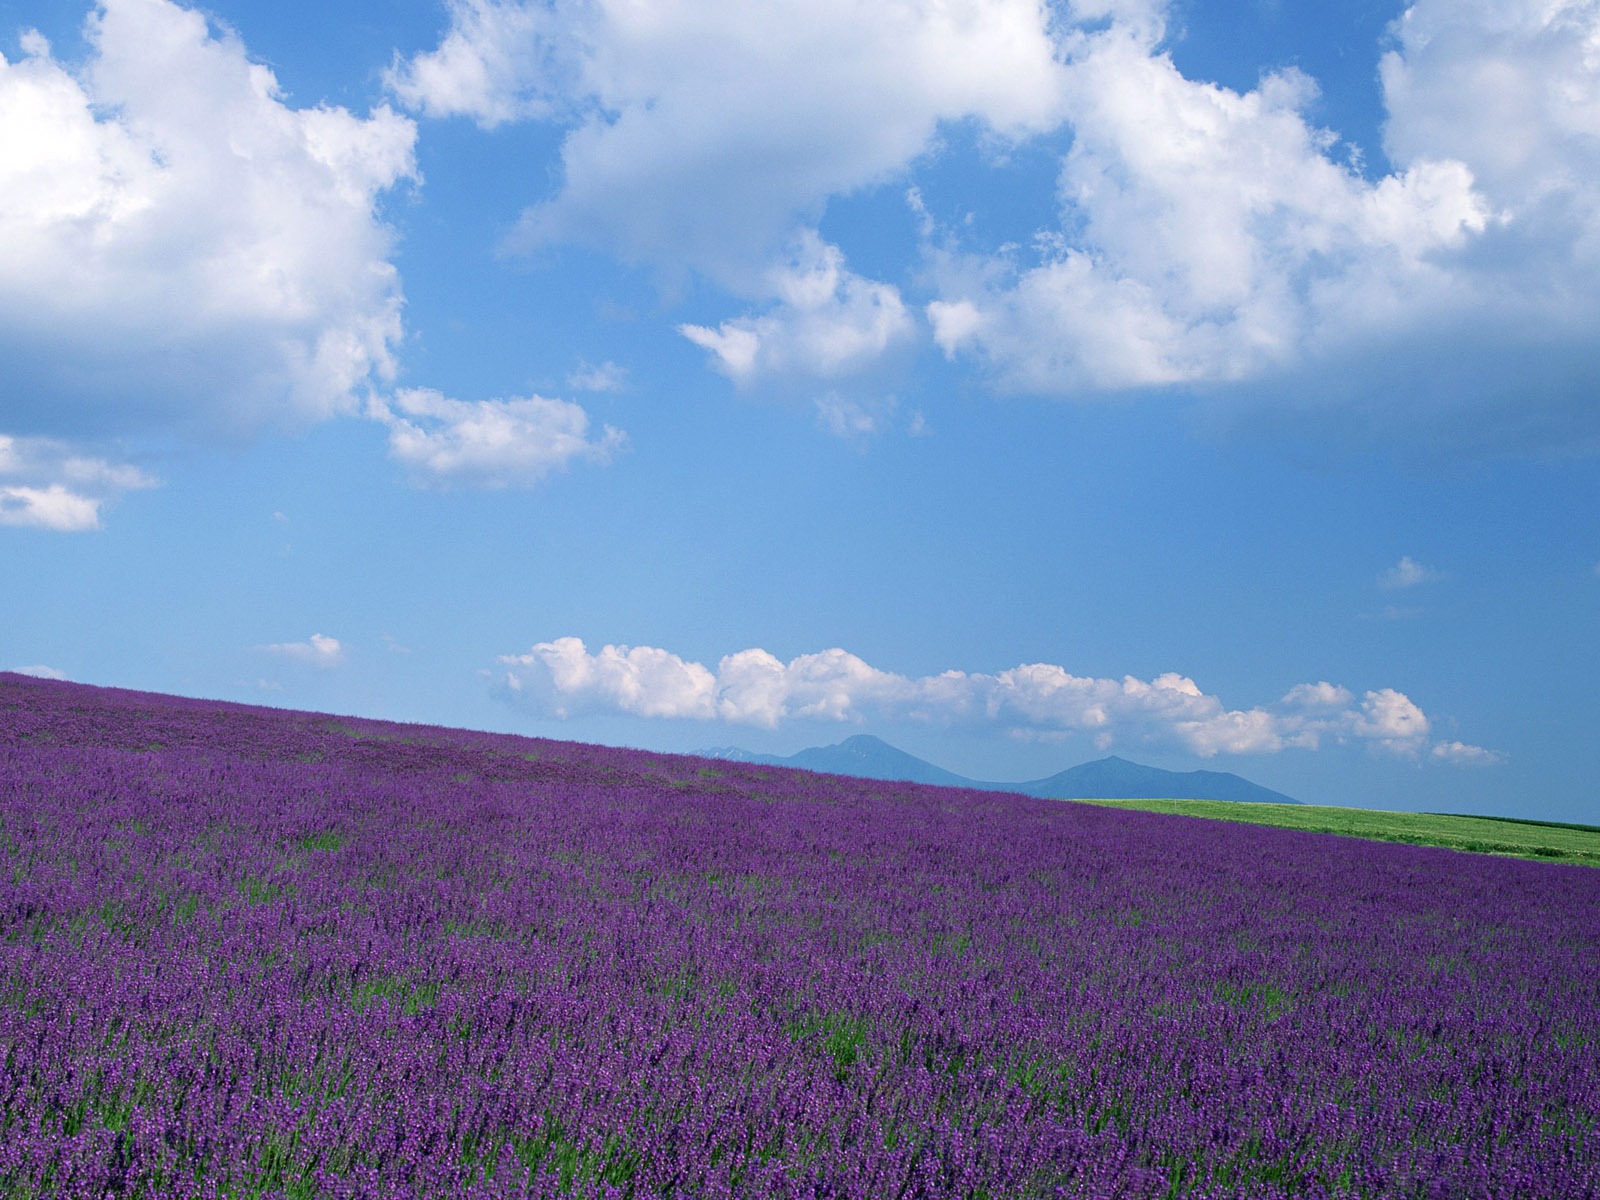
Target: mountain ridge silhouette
[[1112, 778]]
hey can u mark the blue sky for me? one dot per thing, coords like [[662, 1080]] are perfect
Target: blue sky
[[1213, 385]]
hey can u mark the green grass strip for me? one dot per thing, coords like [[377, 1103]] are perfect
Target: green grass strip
[[1543, 840]]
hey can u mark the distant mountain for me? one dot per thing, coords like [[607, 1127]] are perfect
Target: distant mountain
[[868, 757], [863, 756], [1118, 779]]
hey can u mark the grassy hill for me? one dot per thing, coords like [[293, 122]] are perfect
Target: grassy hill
[[254, 952], [1546, 840]]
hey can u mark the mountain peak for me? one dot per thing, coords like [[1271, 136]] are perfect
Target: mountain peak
[[1110, 778]]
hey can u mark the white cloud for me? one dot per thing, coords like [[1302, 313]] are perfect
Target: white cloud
[[827, 321], [1219, 240], [1390, 717], [1209, 235], [849, 418], [54, 508], [1145, 20], [607, 377], [40, 672], [1313, 696], [662, 167], [498, 62], [489, 443], [1035, 700], [955, 323], [1407, 573], [1511, 88], [562, 677], [1467, 756], [45, 484], [1208, 238], [183, 251], [179, 247], [318, 650]]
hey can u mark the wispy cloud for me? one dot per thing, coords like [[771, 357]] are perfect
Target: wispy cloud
[[1467, 756], [607, 377], [854, 419], [45, 484], [1407, 573], [1035, 700]]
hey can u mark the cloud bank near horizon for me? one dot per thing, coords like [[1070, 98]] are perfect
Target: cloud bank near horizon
[[1041, 701]]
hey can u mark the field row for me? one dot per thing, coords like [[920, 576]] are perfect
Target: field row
[[255, 954]]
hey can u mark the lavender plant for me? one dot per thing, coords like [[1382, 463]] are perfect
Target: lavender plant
[[248, 953]]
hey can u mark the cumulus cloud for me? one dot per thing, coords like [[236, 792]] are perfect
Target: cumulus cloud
[[1512, 90], [1209, 238], [1208, 235], [183, 251], [1390, 717], [827, 321], [498, 62], [489, 443], [1035, 700], [45, 484], [1219, 239], [318, 650], [661, 168], [179, 246], [565, 679], [1407, 573]]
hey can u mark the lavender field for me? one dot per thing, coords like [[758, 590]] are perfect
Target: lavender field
[[249, 953]]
